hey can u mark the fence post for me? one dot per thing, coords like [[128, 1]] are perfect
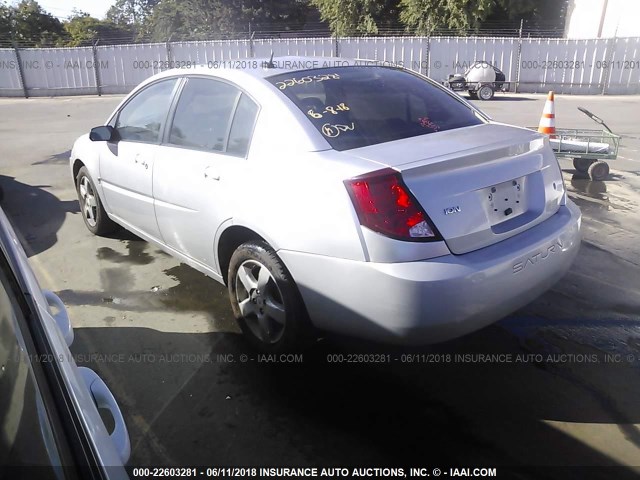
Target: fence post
[[428, 54], [428, 72], [20, 71], [96, 65], [518, 58], [608, 60], [168, 48]]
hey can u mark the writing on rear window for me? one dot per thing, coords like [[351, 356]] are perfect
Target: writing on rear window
[[332, 131], [427, 123], [290, 82], [341, 107], [357, 106]]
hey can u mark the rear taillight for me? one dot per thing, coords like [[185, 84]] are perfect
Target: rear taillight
[[385, 205]]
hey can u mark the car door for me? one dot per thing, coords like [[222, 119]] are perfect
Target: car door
[[126, 166], [50, 426], [200, 163]]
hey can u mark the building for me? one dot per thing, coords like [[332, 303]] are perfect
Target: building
[[602, 19]]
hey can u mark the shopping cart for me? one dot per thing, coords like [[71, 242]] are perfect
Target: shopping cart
[[588, 148]]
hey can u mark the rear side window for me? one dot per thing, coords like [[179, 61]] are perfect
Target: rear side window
[[363, 105], [242, 126], [203, 114], [142, 117]]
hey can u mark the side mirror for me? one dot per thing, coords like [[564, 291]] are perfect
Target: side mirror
[[104, 133]]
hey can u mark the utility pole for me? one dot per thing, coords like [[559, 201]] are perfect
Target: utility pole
[[603, 15]]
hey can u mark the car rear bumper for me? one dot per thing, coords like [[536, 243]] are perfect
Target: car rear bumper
[[441, 298]]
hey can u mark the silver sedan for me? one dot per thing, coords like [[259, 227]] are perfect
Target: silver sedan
[[360, 199]]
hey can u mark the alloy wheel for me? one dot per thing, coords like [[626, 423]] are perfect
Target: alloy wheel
[[88, 201], [260, 301]]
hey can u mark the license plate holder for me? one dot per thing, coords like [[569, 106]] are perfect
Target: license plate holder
[[505, 201]]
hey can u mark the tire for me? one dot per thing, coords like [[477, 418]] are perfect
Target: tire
[[596, 188], [599, 170], [265, 300], [485, 92], [93, 213], [473, 95], [582, 164]]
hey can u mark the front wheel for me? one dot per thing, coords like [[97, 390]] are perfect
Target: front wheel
[[93, 213], [265, 300]]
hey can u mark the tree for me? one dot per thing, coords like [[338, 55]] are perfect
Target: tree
[[28, 23], [273, 14], [171, 20], [350, 17], [542, 15], [389, 15], [131, 12], [82, 29], [423, 16], [5, 23], [134, 15], [203, 19]]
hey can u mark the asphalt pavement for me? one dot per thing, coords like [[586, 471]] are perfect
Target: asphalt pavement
[[555, 384]]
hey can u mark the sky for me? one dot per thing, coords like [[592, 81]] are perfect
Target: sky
[[63, 8]]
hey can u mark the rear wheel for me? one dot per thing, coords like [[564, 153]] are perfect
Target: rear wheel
[[266, 301], [93, 213], [485, 92], [599, 170], [582, 164]]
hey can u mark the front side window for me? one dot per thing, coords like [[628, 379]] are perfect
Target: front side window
[[203, 114], [363, 105], [143, 116]]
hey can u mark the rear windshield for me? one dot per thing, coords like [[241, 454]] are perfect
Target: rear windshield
[[364, 105]]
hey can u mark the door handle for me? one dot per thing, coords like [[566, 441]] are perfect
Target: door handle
[[210, 174], [103, 398]]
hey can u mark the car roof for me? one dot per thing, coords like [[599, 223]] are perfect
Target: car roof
[[250, 74], [258, 68]]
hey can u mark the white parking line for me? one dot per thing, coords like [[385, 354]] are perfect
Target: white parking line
[[628, 159]]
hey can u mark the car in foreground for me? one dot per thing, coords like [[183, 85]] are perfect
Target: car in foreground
[[50, 426], [363, 200]]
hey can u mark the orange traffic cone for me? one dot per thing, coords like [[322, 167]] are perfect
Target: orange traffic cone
[[548, 120]]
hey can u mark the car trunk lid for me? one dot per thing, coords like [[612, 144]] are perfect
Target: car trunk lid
[[479, 184]]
